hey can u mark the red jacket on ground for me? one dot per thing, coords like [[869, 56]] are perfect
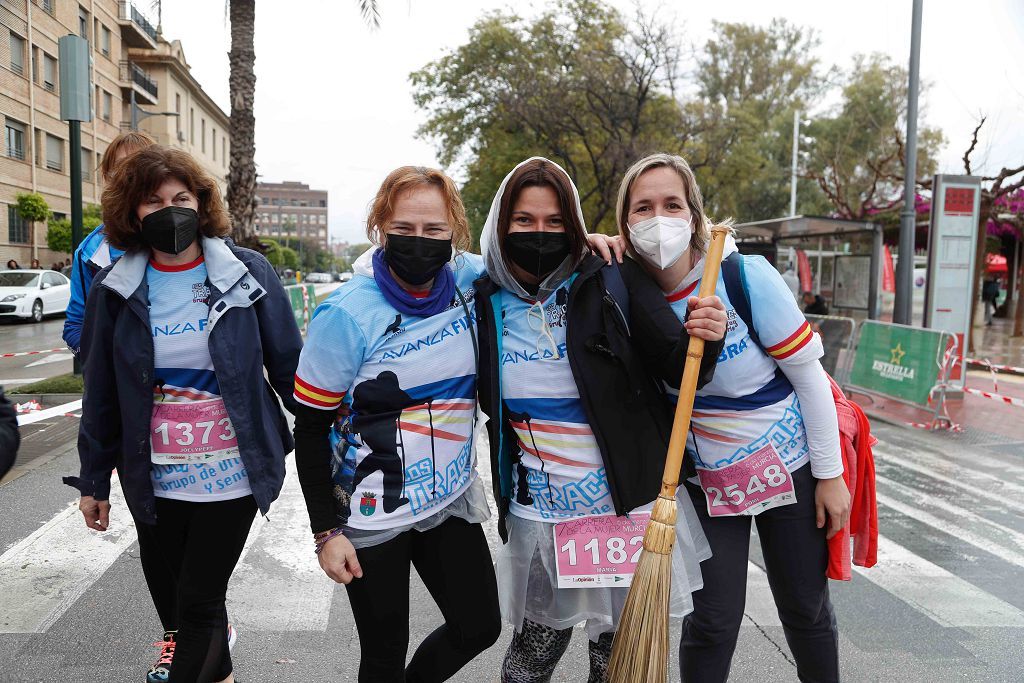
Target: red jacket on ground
[[859, 474]]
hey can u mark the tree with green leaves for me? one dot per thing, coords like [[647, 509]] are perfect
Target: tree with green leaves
[[749, 81], [58, 231], [578, 84], [856, 152]]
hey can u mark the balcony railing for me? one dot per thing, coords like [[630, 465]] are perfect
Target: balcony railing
[[47, 6], [130, 71], [16, 153], [128, 12]]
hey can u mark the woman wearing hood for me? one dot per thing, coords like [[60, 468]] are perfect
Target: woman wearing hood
[[764, 435], [570, 350], [389, 369]]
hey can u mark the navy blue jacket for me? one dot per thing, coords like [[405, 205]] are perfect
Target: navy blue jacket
[[252, 327]]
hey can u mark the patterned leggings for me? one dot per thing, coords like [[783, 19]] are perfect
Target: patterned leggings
[[535, 650]]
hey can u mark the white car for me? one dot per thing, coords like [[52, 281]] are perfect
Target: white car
[[317, 277], [33, 294]]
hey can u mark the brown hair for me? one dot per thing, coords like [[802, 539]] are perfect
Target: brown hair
[[406, 178], [124, 144], [701, 223], [142, 174], [543, 173]]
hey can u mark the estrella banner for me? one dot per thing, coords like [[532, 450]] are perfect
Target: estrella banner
[[900, 362]]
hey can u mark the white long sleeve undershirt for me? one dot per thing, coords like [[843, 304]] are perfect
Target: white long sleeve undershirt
[[818, 408]]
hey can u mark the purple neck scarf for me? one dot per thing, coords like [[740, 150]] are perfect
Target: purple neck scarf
[[442, 292]]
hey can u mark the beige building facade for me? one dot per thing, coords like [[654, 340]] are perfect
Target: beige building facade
[[130, 63], [292, 209], [200, 127]]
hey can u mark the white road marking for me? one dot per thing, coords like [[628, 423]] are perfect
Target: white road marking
[[952, 528], [1012, 493], [45, 573], [55, 358], [29, 418], [23, 380], [278, 585], [940, 595], [996, 533]]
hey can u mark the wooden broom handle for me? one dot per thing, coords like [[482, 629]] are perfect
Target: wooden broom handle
[[691, 371]]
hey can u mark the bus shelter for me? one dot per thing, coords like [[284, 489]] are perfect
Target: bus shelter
[[837, 259]]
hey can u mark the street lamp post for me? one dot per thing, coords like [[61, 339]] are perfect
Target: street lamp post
[[903, 309], [796, 149]]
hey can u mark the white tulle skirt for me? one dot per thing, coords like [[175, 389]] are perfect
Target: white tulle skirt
[[528, 583]]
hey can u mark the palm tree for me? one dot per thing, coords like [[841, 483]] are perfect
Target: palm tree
[[242, 89]]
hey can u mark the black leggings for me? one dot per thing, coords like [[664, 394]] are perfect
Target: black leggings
[[795, 556], [535, 650], [188, 558], [455, 564]]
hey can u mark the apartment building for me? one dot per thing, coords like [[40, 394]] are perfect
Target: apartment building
[[133, 70], [291, 209], [200, 127]]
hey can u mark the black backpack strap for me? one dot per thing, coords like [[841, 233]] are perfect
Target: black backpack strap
[[615, 287]]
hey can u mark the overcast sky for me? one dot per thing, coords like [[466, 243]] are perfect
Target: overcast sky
[[333, 103]]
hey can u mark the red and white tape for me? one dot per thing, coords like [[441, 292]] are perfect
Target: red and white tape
[[32, 353], [984, 363], [996, 397], [950, 426]]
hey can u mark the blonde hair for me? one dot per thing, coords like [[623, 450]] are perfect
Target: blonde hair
[[408, 178], [701, 223]]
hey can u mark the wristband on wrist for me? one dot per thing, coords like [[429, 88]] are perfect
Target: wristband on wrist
[[320, 539]]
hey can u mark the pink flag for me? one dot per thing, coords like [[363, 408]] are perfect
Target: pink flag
[[888, 273], [804, 270]]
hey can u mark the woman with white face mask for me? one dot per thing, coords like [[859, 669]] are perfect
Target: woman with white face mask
[[764, 439]]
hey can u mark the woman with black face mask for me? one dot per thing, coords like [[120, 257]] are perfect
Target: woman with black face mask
[[176, 339], [571, 351]]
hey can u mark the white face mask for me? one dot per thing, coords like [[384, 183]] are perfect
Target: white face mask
[[661, 240]]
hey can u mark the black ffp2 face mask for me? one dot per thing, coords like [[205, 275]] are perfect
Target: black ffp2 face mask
[[414, 259], [538, 253], [171, 229]]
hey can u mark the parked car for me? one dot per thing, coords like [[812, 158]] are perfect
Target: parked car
[[33, 294], [317, 277], [345, 277]]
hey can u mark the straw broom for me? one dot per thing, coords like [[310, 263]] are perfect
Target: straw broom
[[640, 648]]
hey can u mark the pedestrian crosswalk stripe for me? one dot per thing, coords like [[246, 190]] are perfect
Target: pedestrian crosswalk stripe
[[984, 468], [46, 572], [942, 596], [278, 585], [1002, 493], [985, 531]]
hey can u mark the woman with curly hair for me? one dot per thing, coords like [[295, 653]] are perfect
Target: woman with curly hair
[[176, 338]]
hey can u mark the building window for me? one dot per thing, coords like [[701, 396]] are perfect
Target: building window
[[177, 119], [191, 126], [17, 227], [83, 22], [15, 135], [54, 153], [49, 73], [202, 133], [323, 203], [108, 106], [17, 54], [323, 219], [223, 151], [47, 6], [213, 141], [86, 164], [105, 41]]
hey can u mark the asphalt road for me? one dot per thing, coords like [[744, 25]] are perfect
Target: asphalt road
[[944, 604], [16, 337]]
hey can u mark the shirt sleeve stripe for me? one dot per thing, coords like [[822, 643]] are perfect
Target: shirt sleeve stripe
[[313, 402], [299, 382], [793, 343]]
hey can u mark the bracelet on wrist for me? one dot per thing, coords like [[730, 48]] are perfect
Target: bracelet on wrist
[[320, 539]]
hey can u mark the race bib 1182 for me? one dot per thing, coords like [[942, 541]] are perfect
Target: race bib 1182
[[594, 552], [757, 483], [195, 432]]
